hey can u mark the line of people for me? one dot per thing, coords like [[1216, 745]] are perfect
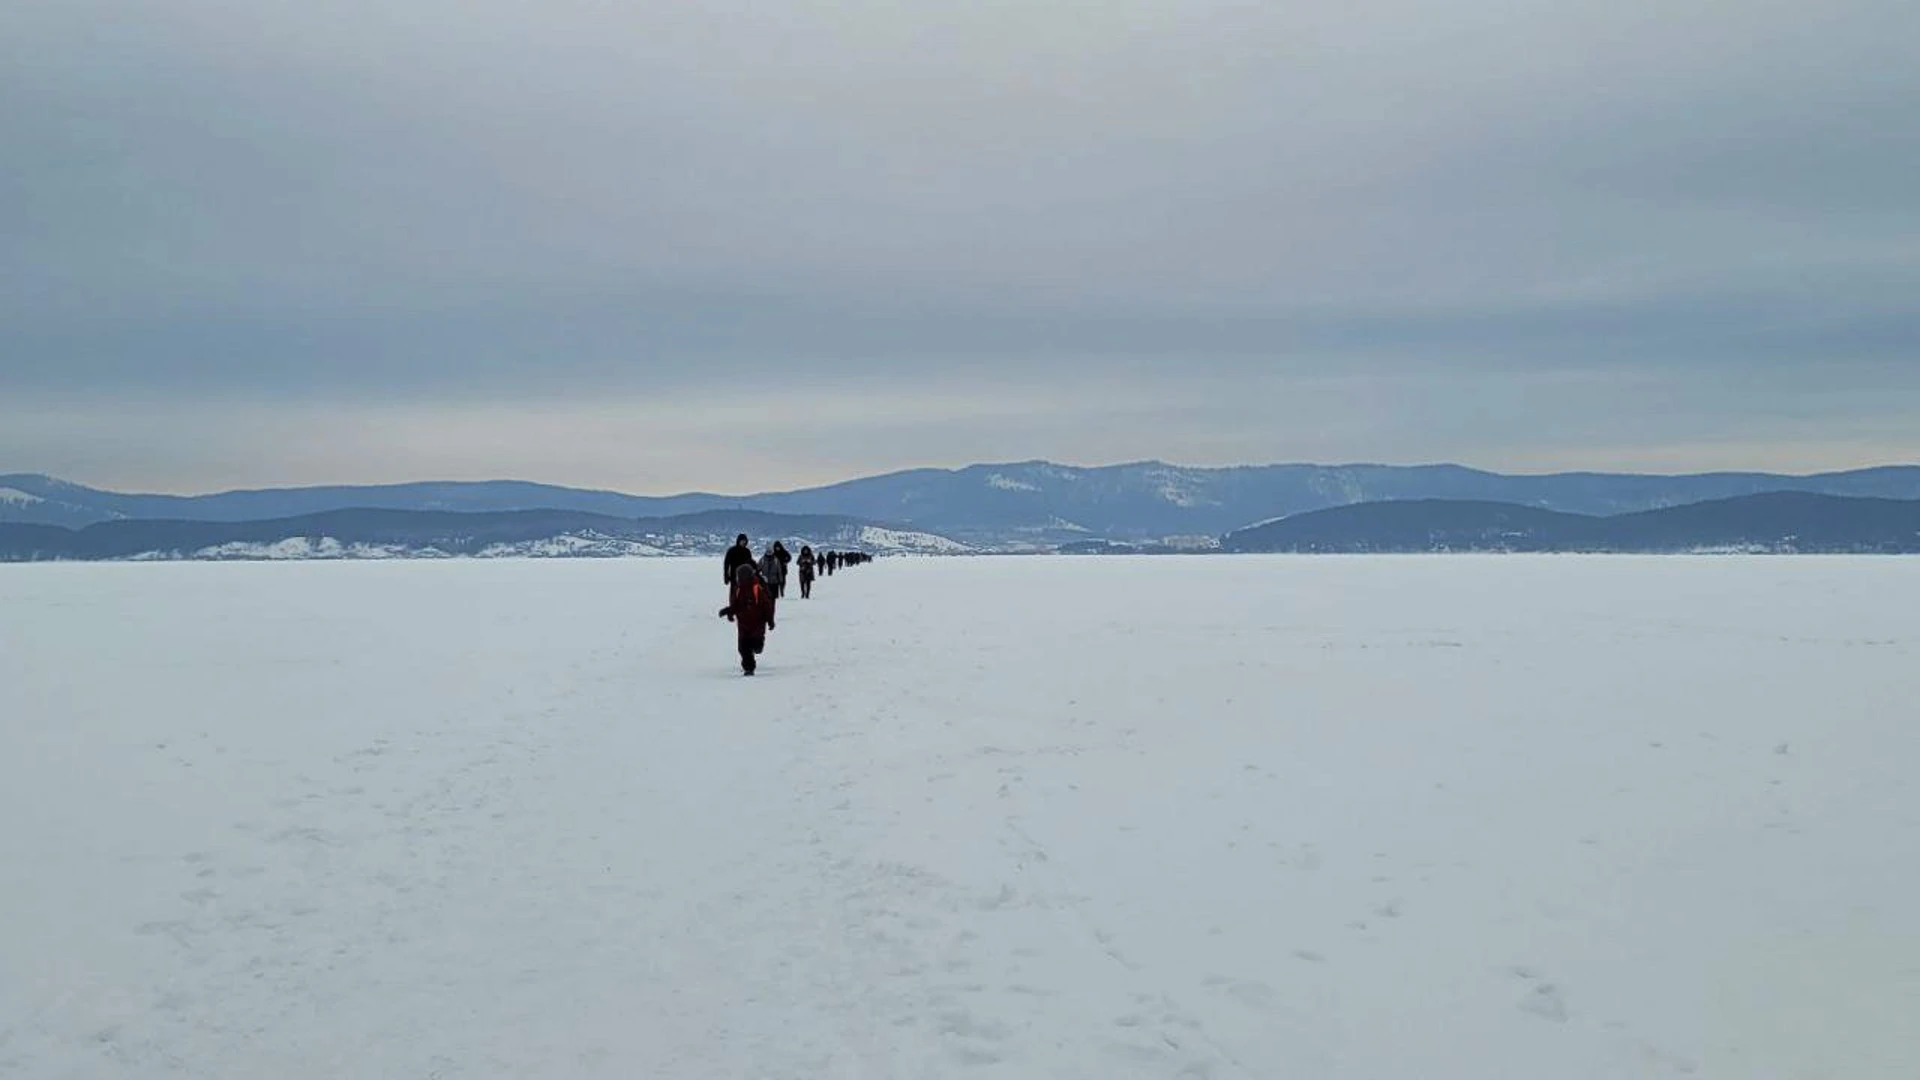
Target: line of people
[[754, 586]]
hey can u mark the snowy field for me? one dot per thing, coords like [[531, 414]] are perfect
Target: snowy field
[[1394, 819]]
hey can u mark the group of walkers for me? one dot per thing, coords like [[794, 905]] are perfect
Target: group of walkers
[[754, 585]]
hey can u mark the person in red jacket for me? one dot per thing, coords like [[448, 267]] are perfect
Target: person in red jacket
[[750, 609]]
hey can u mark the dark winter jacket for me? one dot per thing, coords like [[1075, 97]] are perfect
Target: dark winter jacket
[[750, 605], [737, 556]]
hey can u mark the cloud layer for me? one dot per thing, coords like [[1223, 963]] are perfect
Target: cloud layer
[[662, 246]]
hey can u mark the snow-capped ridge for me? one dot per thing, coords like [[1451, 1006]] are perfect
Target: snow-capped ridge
[[1007, 483], [885, 540]]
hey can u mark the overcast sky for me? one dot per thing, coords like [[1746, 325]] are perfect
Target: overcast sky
[[658, 245]]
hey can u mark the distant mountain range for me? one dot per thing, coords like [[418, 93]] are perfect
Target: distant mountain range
[[1783, 521], [372, 534], [1028, 505]]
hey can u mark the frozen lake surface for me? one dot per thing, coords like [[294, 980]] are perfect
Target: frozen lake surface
[[1439, 818]]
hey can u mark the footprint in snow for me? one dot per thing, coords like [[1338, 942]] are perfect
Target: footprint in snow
[[1249, 992], [1547, 1003]]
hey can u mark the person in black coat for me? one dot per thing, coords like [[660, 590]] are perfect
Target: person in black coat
[[806, 571], [740, 554]]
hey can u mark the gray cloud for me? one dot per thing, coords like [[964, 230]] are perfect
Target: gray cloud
[[474, 233]]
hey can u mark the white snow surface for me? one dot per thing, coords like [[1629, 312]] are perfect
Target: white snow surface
[[1332, 818], [16, 497]]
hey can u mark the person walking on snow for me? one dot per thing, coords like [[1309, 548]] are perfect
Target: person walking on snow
[[750, 609], [738, 555], [780, 583], [806, 572], [773, 573]]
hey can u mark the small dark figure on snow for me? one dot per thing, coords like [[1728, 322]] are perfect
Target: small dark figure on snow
[[750, 609], [738, 555], [806, 572]]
